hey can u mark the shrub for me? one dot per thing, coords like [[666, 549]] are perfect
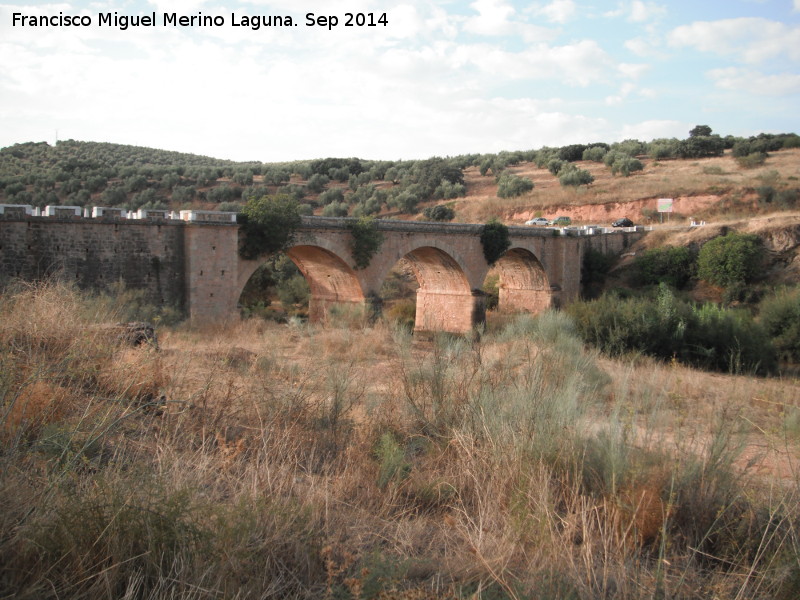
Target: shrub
[[440, 212], [366, 242], [766, 193], [491, 287], [673, 265], [730, 259], [780, 316], [495, 240], [707, 336], [402, 312], [293, 291], [268, 224], [787, 199], [510, 186], [751, 161]]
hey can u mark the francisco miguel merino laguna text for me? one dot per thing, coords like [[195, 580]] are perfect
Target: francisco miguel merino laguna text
[[254, 22]]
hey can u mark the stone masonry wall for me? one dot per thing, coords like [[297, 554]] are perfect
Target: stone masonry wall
[[96, 253]]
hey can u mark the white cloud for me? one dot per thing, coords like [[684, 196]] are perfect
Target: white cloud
[[796, 5], [632, 71], [751, 81], [624, 92], [558, 11], [750, 39], [493, 18], [642, 12], [485, 65], [637, 11]]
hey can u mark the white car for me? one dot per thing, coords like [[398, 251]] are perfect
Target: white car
[[538, 221]]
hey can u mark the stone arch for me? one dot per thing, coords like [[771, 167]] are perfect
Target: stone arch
[[445, 301], [331, 279], [523, 286]]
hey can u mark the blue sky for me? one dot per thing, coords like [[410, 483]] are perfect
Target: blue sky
[[442, 78]]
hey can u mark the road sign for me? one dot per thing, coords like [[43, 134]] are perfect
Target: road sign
[[665, 205]]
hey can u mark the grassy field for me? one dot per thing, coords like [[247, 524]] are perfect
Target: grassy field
[[259, 460]]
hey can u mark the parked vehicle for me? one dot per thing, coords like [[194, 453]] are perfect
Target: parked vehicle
[[561, 221], [538, 221], [623, 222]]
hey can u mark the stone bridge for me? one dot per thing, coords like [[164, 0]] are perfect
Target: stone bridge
[[196, 265], [542, 268]]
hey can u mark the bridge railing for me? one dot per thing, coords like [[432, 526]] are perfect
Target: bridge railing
[[308, 222]]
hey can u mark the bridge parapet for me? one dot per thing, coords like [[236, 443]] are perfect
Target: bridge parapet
[[342, 223]]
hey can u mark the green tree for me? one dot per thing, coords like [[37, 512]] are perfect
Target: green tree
[[731, 259], [430, 173], [448, 191], [701, 146], [135, 183], [224, 193], [595, 153], [625, 165], [335, 209], [555, 165], [572, 175], [700, 130], [114, 195], [332, 195], [405, 201], [268, 225], [317, 183], [510, 186], [572, 152], [662, 148], [183, 194]]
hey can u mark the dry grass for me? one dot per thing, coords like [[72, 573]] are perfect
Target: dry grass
[[724, 189], [359, 462]]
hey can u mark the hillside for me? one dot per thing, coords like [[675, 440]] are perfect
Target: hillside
[[735, 177], [705, 188]]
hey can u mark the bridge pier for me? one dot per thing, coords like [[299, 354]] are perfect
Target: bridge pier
[[453, 312], [524, 300]]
